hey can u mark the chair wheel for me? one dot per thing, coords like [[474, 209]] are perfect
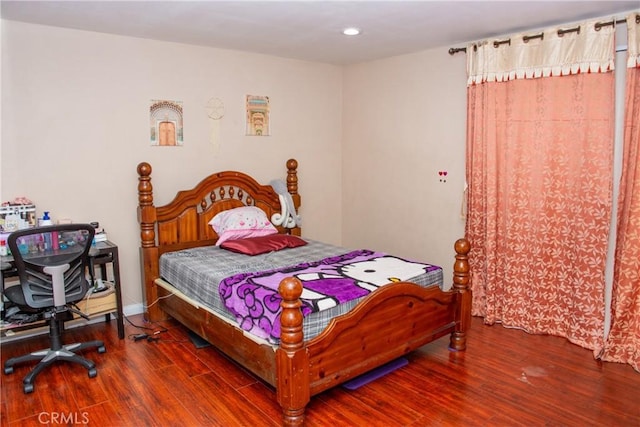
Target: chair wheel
[[93, 372], [28, 388], [102, 349], [8, 370]]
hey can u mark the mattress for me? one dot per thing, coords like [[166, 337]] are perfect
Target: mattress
[[197, 273]]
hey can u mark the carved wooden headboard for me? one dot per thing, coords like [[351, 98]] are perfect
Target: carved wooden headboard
[[184, 222]]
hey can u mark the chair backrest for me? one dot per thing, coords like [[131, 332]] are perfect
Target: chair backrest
[[38, 250]]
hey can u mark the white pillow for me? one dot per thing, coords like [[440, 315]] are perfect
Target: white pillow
[[240, 223]]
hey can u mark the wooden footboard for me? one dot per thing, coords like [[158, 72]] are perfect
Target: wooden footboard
[[391, 322]]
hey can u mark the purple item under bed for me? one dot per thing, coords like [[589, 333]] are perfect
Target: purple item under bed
[[376, 373]]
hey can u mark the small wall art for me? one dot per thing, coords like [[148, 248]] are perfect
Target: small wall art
[[166, 122], [257, 115]]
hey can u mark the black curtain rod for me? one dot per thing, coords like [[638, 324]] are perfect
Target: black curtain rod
[[454, 50], [561, 32], [599, 25]]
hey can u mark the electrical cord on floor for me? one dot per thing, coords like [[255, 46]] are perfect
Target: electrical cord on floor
[[153, 336], [145, 337], [146, 328]]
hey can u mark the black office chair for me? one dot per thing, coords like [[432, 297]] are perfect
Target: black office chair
[[51, 263]]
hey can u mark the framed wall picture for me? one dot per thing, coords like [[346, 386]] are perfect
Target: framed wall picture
[[166, 123], [257, 115]]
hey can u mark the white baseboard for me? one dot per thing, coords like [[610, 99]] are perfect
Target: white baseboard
[[131, 309]]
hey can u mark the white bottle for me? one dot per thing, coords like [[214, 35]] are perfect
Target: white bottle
[[46, 220]]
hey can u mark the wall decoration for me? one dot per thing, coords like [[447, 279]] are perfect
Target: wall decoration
[[166, 122], [257, 115], [215, 112]]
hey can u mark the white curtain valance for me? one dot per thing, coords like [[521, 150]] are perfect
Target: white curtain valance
[[529, 55], [633, 40]]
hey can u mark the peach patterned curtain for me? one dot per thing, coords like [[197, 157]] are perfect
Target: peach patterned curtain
[[539, 169], [623, 342]]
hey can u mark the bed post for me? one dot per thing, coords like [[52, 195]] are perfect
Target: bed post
[[149, 269], [292, 384], [458, 340], [292, 187]]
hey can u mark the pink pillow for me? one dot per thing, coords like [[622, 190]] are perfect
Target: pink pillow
[[262, 244], [240, 223]]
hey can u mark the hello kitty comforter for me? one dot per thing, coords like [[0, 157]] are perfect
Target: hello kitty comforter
[[254, 300]]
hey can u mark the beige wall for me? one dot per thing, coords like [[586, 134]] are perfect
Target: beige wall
[[404, 121], [75, 124], [370, 138]]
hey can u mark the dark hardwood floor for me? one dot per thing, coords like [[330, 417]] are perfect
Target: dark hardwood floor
[[505, 378]]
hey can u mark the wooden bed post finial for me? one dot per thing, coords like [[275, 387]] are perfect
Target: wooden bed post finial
[[292, 176], [144, 183], [291, 318], [293, 387], [461, 276], [292, 188], [461, 266]]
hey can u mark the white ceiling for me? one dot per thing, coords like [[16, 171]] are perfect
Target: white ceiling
[[311, 30]]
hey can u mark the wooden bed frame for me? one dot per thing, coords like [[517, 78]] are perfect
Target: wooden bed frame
[[391, 322]]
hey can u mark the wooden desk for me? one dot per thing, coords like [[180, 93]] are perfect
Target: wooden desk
[[94, 303]]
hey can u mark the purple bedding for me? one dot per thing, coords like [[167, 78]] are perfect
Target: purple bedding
[[254, 300]]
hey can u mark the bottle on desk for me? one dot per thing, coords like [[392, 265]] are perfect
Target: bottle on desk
[[55, 243], [46, 220], [48, 240]]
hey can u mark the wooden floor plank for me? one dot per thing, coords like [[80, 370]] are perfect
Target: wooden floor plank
[[505, 378], [234, 409], [193, 398], [263, 397]]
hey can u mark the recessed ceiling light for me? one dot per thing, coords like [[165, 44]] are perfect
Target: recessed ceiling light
[[351, 31]]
